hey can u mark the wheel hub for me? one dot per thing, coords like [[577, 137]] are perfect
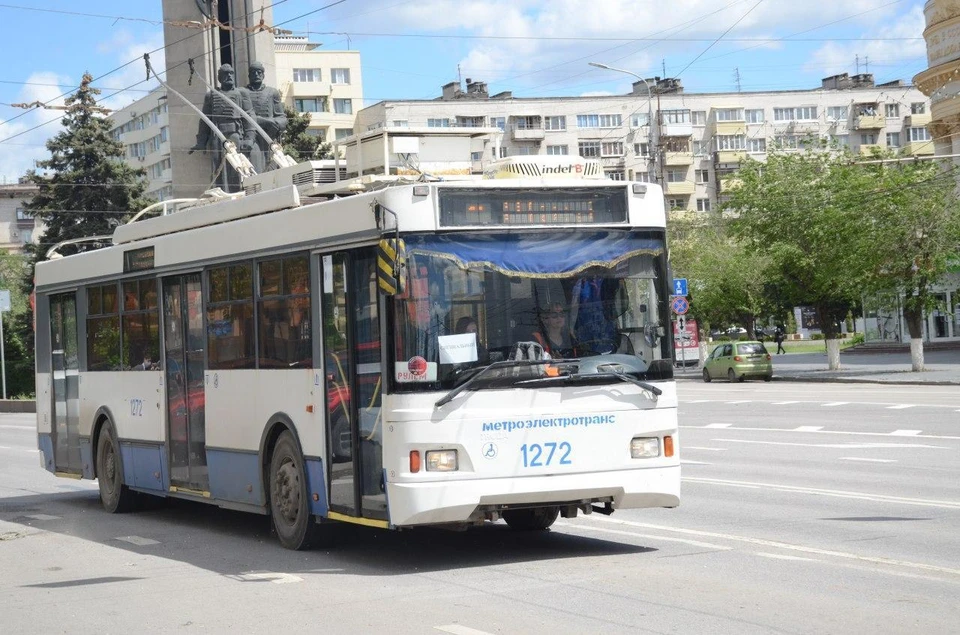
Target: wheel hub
[[287, 491]]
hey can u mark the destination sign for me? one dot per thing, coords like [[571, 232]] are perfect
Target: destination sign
[[461, 207]]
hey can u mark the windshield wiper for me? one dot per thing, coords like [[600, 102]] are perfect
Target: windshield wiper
[[507, 363], [653, 390]]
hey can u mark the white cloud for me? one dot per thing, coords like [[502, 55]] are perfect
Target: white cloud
[[28, 132]]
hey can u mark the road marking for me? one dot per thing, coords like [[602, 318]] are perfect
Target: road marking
[[266, 576], [718, 425], [741, 401], [137, 540], [808, 428], [834, 403], [843, 432], [858, 458], [697, 447], [777, 556], [43, 517], [620, 532], [905, 433], [840, 446], [900, 406], [7, 447], [781, 545], [699, 401], [457, 629], [782, 403], [882, 498], [682, 462]]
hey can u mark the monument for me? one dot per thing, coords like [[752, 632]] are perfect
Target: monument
[[268, 106], [230, 123]]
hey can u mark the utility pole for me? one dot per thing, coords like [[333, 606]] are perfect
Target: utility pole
[[736, 77], [857, 58]]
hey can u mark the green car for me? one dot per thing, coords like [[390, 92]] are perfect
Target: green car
[[738, 360]]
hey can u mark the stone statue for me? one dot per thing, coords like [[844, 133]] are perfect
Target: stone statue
[[230, 123], [268, 107]]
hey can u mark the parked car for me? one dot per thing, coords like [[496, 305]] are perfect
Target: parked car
[[738, 360]]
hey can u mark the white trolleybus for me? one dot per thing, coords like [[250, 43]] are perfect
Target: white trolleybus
[[441, 353]]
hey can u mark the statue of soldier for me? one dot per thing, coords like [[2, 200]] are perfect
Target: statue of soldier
[[268, 106], [230, 123]]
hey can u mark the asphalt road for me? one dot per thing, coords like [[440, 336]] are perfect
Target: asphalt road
[[807, 508]]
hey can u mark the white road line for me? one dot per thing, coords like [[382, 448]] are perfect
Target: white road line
[[842, 432], [782, 403], [834, 403], [620, 532], [781, 545], [740, 401], [860, 458], [698, 401], [882, 498], [777, 556], [905, 433], [901, 406], [682, 462], [457, 629], [697, 447], [840, 446], [718, 425], [268, 576], [43, 517], [808, 428], [137, 540]]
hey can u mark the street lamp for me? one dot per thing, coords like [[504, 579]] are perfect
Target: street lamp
[[652, 146]]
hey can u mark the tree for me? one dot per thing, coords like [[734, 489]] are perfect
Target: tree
[[913, 231], [803, 210], [85, 188], [298, 143]]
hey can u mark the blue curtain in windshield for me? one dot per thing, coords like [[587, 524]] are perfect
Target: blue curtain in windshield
[[541, 255]]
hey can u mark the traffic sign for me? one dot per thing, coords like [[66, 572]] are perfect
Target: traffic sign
[[679, 305], [679, 286], [4, 300]]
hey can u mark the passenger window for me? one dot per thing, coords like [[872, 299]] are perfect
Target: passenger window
[[103, 328], [140, 325], [284, 313], [230, 329]]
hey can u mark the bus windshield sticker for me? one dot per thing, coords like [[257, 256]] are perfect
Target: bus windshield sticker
[[458, 349], [417, 369], [138, 260]]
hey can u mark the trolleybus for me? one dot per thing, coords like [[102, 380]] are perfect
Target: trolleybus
[[375, 358]]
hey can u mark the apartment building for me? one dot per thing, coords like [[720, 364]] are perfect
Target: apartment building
[[143, 129], [685, 141], [16, 228]]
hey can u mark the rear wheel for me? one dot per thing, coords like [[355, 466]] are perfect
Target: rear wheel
[[767, 377], [531, 519], [114, 495], [706, 375], [731, 376], [289, 502]]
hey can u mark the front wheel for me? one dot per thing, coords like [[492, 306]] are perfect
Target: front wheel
[[289, 500], [114, 495], [706, 375], [531, 519]]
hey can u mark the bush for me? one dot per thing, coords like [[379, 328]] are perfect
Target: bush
[[816, 336], [856, 339]]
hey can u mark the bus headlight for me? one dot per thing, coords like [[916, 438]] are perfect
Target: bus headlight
[[441, 460], [644, 447]]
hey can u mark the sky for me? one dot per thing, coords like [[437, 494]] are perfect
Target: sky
[[410, 48]]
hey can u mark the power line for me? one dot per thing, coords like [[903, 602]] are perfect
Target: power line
[[571, 38], [720, 37]]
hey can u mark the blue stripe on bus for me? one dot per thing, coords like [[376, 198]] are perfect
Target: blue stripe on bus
[[45, 443], [143, 466], [316, 485], [235, 476]]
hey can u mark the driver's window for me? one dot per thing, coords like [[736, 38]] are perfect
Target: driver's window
[[727, 350]]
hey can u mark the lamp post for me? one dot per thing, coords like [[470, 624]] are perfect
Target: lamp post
[[653, 146]]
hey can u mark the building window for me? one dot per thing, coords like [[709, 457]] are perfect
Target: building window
[[342, 133], [783, 114], [919, 134], [893, 139], [555, 123], [470, 122], [757, 144], [611, 149], [699, 117], [729, 114], [868, 139], [837, 113], [703, 176], [701, 148], [22, 214], [498, 122], [675, 116], [589, 149], [892, 111], [400, 123], [343, 106], [306, 75], [730, 142], [703, 204], [616, 175], [340, 75], [588, 121], [754, 115], [310, 104], [787, 141], [504, 152], [531, 122], [639, 120], [438, 123], [806, 113], [643, 177], [676, 203], [557, 150], [610, 121], [918, 108], [524, 150], [676, 176], [26, 236], [641, 149], [839, 140]]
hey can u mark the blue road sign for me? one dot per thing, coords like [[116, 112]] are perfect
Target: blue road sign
[[679, 305], [679, 286]]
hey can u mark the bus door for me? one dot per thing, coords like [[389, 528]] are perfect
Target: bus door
[[184, 341], [351, 339], [66, 382]]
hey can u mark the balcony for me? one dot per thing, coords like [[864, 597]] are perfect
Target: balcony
[[526, 134], [677, 158], [683, 188], [676, 130], [921, 119], [730, 156], [869, 122], [731, 128], [919, 148]]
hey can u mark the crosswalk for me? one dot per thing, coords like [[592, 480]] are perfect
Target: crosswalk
[[821, 404]]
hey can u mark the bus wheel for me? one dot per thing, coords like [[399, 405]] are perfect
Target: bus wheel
[[115, 496], [531, 519], [289, 503]]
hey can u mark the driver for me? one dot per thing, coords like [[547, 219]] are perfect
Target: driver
[[554, 335]]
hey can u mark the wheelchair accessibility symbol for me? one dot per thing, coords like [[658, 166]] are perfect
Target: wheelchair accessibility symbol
[[490, 451]]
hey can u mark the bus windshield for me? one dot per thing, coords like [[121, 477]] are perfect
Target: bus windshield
[[472, 299]]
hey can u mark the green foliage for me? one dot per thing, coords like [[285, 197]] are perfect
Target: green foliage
[[816, 336], [857, 339], [298, 143]]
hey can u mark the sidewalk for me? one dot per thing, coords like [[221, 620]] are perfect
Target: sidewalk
[[942, 368]]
